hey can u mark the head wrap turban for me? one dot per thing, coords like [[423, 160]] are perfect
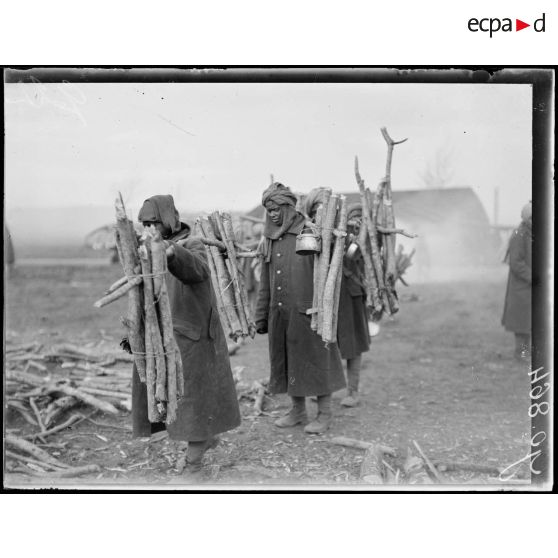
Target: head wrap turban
[[354, 211], [292, 220], [279, 194], [160, 209], [314, 198]]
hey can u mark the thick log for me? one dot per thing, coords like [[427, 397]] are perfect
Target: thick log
[[159, 264], [316, 276], [32, 450], [371, 469], [128, 252], [327, 234], [330, 303], [156, 369]]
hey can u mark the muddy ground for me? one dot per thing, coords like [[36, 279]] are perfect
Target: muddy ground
[[439, 373]]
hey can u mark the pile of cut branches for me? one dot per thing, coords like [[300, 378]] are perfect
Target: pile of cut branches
[[377, 239], [64, 379]]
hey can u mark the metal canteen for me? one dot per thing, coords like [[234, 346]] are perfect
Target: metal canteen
[[352, 250], [308, 244]]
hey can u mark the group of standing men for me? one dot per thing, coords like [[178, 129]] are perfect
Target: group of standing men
[[301, 365]]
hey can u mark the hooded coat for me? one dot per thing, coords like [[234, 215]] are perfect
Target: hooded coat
[[210, 403], [517, 304], [300, 363]]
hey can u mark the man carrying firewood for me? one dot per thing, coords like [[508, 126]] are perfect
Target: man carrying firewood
[[301, 365], [209, 405], [517, 305], [352, 326]]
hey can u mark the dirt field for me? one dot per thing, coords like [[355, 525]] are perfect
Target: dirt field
[[439, 373]]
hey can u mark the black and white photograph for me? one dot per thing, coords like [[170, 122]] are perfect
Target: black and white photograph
[[278, 279]]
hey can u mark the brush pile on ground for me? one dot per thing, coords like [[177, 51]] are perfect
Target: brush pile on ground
[[51, 389]]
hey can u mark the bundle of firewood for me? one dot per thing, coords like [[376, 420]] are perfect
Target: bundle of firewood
[[149, 321], [223, 253], [377, 239], [331, 226]]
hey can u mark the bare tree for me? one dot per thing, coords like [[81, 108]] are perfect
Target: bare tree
[[439, 172]]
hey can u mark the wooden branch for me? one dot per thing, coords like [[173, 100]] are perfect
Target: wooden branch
[[429, 464], [20, 408], [385, 230], [118, 293], [330, 211], [33, 450], [74, 419], [122, 281], [39, 418], [74, 471], [86, 398], [26, 459]]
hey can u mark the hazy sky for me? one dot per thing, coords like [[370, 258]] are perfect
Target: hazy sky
[[214, 146]]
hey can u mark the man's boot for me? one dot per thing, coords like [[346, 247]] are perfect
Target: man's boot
[[322, 422], [353, 376], [295, 416], [190, 462]]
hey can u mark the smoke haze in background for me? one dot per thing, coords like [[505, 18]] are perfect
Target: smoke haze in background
[[71, 147]]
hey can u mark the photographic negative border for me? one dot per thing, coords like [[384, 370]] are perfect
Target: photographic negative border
[[542, 80]]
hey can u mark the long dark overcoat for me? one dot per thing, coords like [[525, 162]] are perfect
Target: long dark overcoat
[[210, 403], [300, 363], [517, 305], [352, 326]]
